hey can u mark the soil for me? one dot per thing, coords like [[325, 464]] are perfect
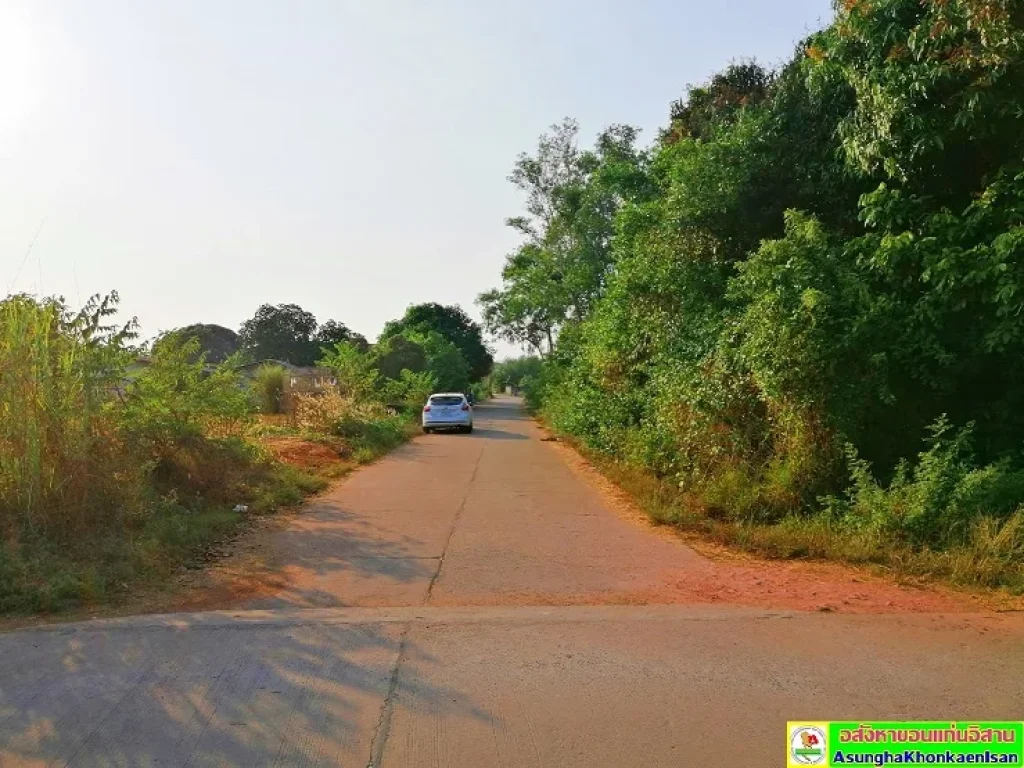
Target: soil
[[734, 576], [307, 454]]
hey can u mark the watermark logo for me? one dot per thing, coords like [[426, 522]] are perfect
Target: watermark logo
[[807, 744]]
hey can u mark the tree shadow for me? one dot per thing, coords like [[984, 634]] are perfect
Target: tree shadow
[[497, 434], [193, 691], [331, 556]]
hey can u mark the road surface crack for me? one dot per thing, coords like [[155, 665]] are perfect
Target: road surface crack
[[383, 729], [455, 523]]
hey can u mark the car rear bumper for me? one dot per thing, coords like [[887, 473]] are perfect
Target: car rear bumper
[[448, 423]]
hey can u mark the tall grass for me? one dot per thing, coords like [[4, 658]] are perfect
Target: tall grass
[[268, 387], [109, 480], [59, 372], [368, 428]]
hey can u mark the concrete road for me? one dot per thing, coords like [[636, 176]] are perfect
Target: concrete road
[[471, 601]]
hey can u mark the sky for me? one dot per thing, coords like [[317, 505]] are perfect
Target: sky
[[203, 157]]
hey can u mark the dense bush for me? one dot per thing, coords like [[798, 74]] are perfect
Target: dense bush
[[825, 256], [112, 473], [369, 428], [62, 455]]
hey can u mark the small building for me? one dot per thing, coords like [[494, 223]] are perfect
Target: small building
[[298, 380]]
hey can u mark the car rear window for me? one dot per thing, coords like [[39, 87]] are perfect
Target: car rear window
[[446, 400]]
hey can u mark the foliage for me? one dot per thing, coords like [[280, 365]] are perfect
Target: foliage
[[58, 455], [289, 333], [370, 429], [268, 387], [175, 399], [422, 352], [110, 481], [515, 372], [706, 108], [353, 368], [282, 332], [410, 390], [821, 256], [937, 499], [398, 353], [452, 323], [332, 333], [445, 363], [561, 267]]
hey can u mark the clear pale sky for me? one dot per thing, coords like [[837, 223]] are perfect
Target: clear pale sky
[[205, 157]]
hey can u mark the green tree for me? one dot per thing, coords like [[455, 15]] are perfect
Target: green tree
[[410, 390], [215, 342], [561, 268], [708, 107], [353, 368], [452, 323], [398, 353], [283, 332], [446, 363], [332, 333], [289, 333], [513, 372], [176, 399]]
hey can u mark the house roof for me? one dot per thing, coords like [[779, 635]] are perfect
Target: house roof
[[289, 367]]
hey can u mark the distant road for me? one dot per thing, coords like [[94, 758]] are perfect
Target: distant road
[[472, 600]]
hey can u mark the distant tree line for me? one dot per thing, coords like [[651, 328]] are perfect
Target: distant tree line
[[441, 342]]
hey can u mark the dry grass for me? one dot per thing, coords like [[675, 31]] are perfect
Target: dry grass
[[990, 559]]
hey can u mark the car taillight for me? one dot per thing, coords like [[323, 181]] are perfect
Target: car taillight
[[465, 407], [426, 408]]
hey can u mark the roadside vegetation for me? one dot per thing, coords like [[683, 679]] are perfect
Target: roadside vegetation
[[519, 373], [796, 319], [120, 464]]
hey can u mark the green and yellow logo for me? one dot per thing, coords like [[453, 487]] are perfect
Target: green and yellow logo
[[807, 744]]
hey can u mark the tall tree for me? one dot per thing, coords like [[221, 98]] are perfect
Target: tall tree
[[452, 323], [708, 107], [571, 200], [215, 341], [398, 353], [282, 332], [332, 333], [288, 332], [446, 363]]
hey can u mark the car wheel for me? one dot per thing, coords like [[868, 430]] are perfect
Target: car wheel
[[427, 430], [469, 430]]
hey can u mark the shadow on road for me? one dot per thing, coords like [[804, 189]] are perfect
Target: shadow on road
[[183, 690], [172, 693], [330, 545], [497, 434]]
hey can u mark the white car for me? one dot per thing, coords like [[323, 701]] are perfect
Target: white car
[[448, 410]]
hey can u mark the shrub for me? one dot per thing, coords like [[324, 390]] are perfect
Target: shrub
[[268, 387], [353, 368], [321, 412], [113, 472], [410, 390], [369, 428], [939, 501], [61, 464]]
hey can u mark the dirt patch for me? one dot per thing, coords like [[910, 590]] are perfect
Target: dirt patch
[[728, 576], [307, 454]]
